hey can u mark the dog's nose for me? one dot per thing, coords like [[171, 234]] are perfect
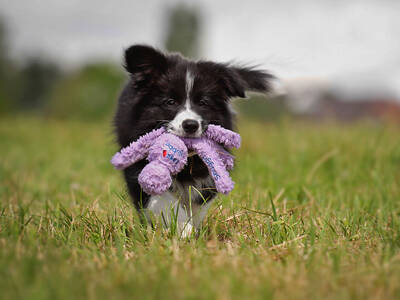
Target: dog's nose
[[190, 125]]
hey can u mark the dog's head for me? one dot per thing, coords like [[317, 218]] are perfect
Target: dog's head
[[185, 96]]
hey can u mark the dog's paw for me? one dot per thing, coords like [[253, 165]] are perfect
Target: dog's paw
[[186, 230]]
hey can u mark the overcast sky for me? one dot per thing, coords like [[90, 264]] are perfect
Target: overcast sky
[[354, 41]]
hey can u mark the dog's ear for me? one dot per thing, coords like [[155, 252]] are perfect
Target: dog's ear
[[238, 80], [144, 62]]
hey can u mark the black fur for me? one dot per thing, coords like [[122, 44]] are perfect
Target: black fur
[[156, 78]]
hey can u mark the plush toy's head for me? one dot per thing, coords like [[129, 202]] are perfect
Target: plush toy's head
[[167, 156], [170, 151]]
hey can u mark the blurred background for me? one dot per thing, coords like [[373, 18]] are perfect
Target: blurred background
[[315, 213], [336, 60]]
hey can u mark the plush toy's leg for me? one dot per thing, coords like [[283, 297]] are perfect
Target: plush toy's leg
[[207, 150], [155, 178]]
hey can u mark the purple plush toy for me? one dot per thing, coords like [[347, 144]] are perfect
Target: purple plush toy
[[167, 155]]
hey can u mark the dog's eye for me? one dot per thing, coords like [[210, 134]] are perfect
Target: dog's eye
[[170, 102]]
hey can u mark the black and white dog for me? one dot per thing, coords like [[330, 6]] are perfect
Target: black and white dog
[[184, 96]]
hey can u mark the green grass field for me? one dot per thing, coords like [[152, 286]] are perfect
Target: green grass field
[[315, 214]]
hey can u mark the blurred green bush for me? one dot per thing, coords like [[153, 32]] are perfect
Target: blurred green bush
[[89, 93], [261, 108]]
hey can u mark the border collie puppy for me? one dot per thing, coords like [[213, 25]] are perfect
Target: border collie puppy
[[183, 96]]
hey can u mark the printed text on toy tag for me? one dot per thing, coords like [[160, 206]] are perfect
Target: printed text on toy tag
[[171, 153], [210, 163]]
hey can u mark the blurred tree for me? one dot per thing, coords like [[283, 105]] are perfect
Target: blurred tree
[[3, 52], [26, 87], [36, 78], [183, 31], [87, 94], [259, 108], [6, 72]]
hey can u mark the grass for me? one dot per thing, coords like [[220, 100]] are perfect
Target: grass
[[315, 214]]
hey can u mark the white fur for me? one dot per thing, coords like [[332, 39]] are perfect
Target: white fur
[[175, 206], [175, 126], [168, 208], [189, 84], [199, 212]]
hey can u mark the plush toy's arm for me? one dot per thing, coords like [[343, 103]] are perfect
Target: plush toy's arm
[[208, 152], [136, 151], [222, 136]]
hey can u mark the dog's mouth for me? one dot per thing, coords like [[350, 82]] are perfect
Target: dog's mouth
[[180, 132], [183, 134]]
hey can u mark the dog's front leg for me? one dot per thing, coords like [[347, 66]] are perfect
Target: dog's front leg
[[168, 209]]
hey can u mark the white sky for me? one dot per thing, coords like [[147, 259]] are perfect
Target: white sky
[[347, 40]]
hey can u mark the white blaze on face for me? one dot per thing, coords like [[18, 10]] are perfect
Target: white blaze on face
[[189, 85], [175, 126]]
